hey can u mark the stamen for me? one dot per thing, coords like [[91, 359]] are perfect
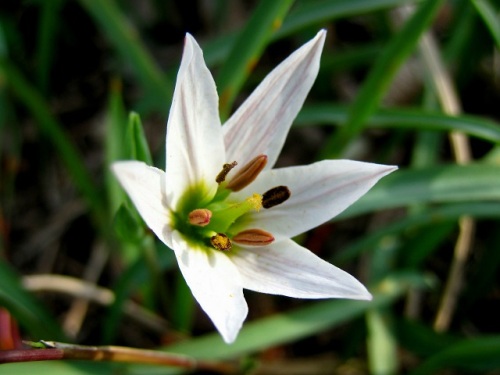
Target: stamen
[[248, 173], [275, 196], [200, 217], [221, 242], [226, 168], [253, 237]]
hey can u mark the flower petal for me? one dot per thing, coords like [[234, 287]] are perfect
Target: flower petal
[[215, 283], [145, 185], [319, 192], [288, 269], [195, 147], [261, 123]]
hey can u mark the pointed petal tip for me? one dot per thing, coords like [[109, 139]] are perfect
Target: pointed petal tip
[[319, 40], [190, 46], [229, 337], [366, 295], [389, 169], [189, 38], [229, 332], [214, 282], [358, 291]]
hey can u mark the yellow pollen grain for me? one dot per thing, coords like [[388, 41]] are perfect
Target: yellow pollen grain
[[221, 242], [256, 201]]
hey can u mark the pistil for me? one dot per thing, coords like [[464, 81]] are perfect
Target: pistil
[[200, 217], [225, 214]]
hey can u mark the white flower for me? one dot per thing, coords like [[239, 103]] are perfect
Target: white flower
[[230, 225]]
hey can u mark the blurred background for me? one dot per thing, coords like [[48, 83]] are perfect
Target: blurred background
[[410, 83]]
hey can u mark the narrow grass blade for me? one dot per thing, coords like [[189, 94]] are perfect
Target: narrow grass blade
[[25, 308], [436, 216], [413, 119], [490, 17], [115, 147], [381, 75], [475, 354], [126, 40], [305, 14], [48, 25], [248, 48], [52, 130], [421, 339], [382, 348], [441, 184], [309, 13], [136, 140], [294, 325]]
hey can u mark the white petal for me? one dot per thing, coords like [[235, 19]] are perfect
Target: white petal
[[145, 186], [288, 269], [215, 283], [261, 124], [195, 147], [319, 192]]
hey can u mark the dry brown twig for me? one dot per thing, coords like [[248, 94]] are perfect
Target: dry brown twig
[[89, 292]]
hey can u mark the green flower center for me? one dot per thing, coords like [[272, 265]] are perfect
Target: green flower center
[[208, 221]]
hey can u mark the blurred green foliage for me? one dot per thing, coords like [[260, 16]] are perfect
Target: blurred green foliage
[[72, 71]]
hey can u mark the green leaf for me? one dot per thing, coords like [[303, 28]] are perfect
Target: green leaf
[[440, 184], [125, 39], [433, 216], [127, 227], [421, 339], [382, 348], [412, 119], [248, 48], [490, 17], [475, 354], [305, 14], [185, 305], [25, 308], [290, 326], [308, 13], [52, 130], [47, 27], [136, 140], [135, 276], [114, 143], [61, 368], [385, 68]]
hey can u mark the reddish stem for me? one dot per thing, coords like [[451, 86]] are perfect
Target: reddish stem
[[29, 355]]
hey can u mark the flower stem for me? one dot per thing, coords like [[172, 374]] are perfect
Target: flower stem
[[51, 350]]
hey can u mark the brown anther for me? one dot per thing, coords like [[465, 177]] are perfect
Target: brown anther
[[253, 237], [200, 217], [226, 168], [248, 173], [221, 242], [275, 196]]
